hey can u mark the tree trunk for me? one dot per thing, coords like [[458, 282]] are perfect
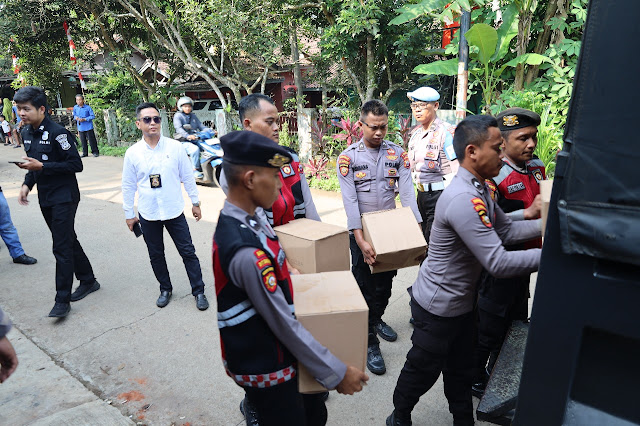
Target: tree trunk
[[542, 43], [305, 144], [524, 32], [371, 85]]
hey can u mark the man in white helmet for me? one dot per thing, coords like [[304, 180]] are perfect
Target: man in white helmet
[[185, 116]]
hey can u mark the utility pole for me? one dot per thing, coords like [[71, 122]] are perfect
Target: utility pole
[[463, 67]]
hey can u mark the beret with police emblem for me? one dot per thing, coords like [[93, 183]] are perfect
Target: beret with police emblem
[[517, 118], [251, 148], [425, 94]]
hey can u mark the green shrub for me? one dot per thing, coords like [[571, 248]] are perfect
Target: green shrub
[[329, 183]]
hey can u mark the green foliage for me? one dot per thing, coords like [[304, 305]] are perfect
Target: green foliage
[[329, 183], [486, 50], [112, 90], [113, 151], [431, 8], [287, 139]]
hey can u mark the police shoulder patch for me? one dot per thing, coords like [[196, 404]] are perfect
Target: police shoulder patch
[[63, 141], [492, 188], [481, 208], [266, 270], [405, 159]]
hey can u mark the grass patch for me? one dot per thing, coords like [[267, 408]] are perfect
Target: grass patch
[[112, 151]]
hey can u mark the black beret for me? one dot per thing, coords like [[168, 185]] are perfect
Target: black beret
[[517, 118], [254, 149]]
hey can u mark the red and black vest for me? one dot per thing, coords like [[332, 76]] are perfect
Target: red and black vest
[[517, 190], [252, 354], [290, 203]]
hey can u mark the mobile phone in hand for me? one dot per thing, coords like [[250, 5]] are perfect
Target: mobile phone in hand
[[137, 230], [17, 163]]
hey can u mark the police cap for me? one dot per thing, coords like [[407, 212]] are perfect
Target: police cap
[[424, 94], [251, 148], [517, 118]]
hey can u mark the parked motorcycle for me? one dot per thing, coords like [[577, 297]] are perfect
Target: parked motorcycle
[[210, 154]]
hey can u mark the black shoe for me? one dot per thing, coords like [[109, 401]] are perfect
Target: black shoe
[[95, 154], [83, 290], [84, 155], [60, 310], [201, 302], [23, 259], [412, 321], [249, 413], [325, 396], [479, 385], [392, 420], [164, 298], [375, 362], [385, 331]]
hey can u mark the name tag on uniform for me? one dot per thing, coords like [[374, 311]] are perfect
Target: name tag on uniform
[[515, 187], [155, 181]]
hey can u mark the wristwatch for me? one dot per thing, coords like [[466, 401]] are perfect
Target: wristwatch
[[196, 204]]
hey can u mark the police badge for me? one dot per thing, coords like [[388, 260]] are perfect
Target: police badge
[[510, 120], [64, 143], [278, 160]]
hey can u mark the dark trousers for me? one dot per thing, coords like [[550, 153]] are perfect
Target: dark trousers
[[92, 141], [439, 345], [375, 288], [427, 207], [283, 405], [152, 231], [70, 258], [500, 302]]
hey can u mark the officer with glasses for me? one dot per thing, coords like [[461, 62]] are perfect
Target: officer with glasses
[[433, 161], [370, 173]]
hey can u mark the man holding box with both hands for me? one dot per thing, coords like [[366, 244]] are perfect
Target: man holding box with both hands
[[370, 171], [261, 339], [467, 235]]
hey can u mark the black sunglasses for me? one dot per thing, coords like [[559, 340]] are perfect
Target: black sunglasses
[[156, 119]]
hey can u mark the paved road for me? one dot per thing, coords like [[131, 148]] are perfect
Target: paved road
[[117, 349]]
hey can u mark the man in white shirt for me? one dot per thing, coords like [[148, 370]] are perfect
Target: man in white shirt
[[156, 167]]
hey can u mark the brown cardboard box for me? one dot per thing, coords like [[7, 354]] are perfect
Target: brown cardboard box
[[330, 305], [395, 236], [545, 196], [313, 246]]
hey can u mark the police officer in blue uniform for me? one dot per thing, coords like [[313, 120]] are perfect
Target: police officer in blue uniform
[[370, 172], [52, 162]]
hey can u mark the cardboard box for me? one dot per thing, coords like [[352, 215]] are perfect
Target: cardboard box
[[545, 195], [312, 247], [395, 236], [330, 305]]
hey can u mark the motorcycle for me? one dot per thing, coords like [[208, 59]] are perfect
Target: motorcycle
[[210, 154]]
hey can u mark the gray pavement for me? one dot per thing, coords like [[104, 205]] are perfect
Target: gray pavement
[[117, 358]]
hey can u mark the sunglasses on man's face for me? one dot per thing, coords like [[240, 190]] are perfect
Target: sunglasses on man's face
[[147, 120]]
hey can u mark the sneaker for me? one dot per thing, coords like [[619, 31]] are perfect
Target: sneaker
[[23, 259], [84, 290], [198, 175], [60, 310]]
